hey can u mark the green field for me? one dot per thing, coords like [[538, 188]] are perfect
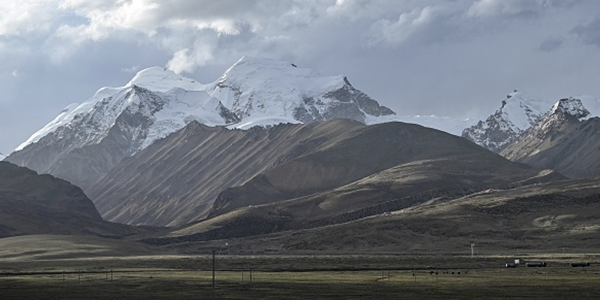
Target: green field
[[298, 277]]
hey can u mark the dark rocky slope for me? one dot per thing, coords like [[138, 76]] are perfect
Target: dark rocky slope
[[42, 204]]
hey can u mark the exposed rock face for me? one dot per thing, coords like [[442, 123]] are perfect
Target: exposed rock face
[[563, 141], [518, 112], [346, 103]]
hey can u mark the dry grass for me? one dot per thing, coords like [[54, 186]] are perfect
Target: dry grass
[[373, 277]]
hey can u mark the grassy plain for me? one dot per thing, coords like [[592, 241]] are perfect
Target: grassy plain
[[299, 277]]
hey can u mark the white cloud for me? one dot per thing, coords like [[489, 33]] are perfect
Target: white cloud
[[26, 16]]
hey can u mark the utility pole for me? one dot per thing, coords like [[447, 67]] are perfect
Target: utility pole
[[213, 275], [472, 250]]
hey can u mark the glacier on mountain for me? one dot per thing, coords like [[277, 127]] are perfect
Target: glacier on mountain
[[252, 92], [518, 112]]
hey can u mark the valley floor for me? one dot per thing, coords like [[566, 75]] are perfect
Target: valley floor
[[301, 277]]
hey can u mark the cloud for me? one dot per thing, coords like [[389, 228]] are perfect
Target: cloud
[[19, 18], [550, 44], [425, 24], [495, 8], [590, 32]]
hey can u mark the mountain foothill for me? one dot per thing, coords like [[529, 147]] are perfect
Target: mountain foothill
[[272, 156]]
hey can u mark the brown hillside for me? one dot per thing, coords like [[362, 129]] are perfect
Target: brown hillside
[[176, 180], [42, 204]]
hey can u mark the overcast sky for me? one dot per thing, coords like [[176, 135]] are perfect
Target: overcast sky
[[454, 58]]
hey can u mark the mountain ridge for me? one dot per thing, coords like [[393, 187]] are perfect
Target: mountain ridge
[[565, 139]]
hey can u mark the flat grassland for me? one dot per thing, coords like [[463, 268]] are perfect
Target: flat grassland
[[300, 277]]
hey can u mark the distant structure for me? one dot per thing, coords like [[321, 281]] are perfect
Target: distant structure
[[472, 250]]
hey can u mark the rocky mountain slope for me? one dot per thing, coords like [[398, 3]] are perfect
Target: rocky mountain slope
[[518, 112], [86, 141], [42, 204], [292, 161], [176, 179], [566, 139]]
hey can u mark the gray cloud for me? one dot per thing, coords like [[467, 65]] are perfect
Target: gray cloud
[[551, 44], [589, 33]]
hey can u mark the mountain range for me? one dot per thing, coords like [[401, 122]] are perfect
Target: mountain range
[[86, 141], [565, 139], [274, 151]]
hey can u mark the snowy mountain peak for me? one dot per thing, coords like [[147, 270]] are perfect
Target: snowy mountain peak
[[261, 87], [522, 110], [249, 83], [570, 106], [247, 67], [2, 156], [162, 80], [518, 112], [118, 122]]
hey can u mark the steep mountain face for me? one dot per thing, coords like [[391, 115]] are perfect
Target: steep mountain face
[[86, 141], [518, 112], [42, 204], [370, 171], [385, 149], [565, 140], [179, 179], [176, 180]]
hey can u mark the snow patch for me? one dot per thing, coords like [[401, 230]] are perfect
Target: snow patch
[[262, 121]]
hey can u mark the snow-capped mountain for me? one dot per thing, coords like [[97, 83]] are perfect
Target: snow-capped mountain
[[2, 156], [518, 112], [565, 139], [259, 88], [86, 140], [166, 100]]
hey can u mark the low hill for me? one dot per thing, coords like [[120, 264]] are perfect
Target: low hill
[[555, 217], [42, 204], [44, 247]]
